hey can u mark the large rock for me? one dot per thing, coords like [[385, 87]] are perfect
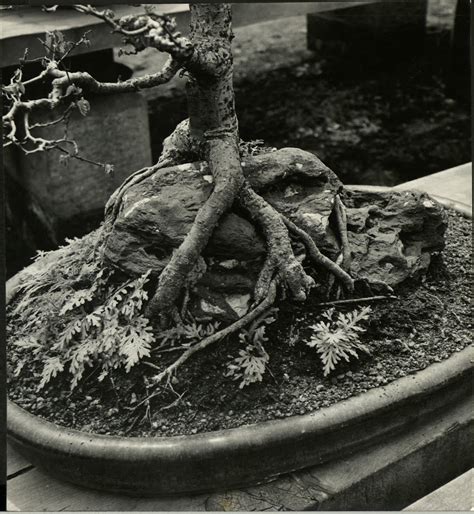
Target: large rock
[[158, 213], [391, 234]]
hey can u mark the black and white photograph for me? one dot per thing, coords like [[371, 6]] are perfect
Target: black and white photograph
[[237, 256]]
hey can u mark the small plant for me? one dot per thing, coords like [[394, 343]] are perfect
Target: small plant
[[251, 363], [338, 337], [185, 335], [71, 319], [249, 366]]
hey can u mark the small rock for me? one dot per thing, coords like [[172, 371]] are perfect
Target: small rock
[[229, 263]]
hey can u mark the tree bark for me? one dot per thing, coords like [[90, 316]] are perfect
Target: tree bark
[[212, 119]]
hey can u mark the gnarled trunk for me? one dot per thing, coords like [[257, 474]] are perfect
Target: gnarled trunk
[[213, 121]]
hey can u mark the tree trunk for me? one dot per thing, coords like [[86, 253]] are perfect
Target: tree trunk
[[212, 119]]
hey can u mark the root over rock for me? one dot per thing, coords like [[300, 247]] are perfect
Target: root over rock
[[391, 235]]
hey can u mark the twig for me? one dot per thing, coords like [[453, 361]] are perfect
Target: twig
[[357, 300], [173, 403], [456, 316]]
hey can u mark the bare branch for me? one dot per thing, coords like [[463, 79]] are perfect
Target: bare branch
[[86, 81], [148, 30]]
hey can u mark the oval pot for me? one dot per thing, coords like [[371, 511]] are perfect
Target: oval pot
[[242, 456]]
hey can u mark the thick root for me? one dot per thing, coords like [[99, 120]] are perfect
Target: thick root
[[344, 259], [264, 279], [317, 257], [280, 258]]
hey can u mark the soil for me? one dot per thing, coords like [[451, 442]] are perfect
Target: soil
[[428, 322]]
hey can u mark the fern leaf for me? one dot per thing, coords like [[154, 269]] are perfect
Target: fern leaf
[[52, 367]]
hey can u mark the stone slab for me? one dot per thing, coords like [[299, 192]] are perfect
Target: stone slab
[[454, 184], [455, 495], [23, 25], [115, 131]]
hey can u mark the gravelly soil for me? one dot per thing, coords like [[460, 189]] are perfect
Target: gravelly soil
[[426, 324]]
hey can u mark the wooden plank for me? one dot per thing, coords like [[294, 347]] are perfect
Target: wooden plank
[[11, 507], [456, 495], [15, 462], [37, 491]]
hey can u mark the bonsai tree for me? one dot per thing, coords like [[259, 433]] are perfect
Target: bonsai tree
[[103, 316]]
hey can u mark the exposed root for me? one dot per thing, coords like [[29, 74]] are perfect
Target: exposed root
[[214, 338], [317, 257], [280, 256], [332, 280], [351, 301], [264, 280], [341, 218], [180, 146]]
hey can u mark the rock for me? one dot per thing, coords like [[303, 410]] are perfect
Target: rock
[[392, 234], [157, 214]]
